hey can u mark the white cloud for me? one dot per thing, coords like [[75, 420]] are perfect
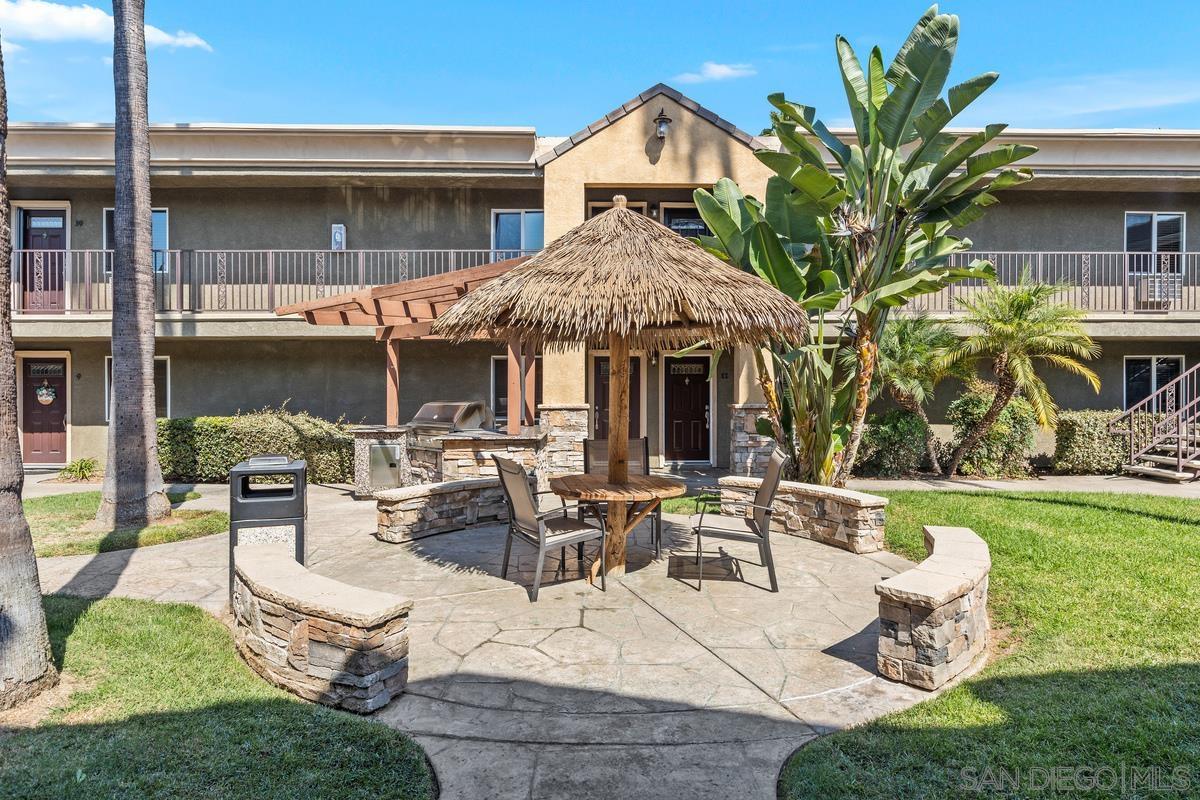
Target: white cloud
[[44, 21], [1082, 98], [714, 71]]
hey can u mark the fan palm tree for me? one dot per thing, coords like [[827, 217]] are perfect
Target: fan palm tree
[[25, 664], [133, 486], [1018, 327], [912, 361]]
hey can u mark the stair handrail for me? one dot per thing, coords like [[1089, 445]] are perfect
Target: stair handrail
[[1143, 438]]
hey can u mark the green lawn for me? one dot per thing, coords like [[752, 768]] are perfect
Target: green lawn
[[163, 707], [60, 525], [1099, 596]]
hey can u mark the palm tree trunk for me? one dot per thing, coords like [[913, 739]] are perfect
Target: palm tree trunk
[[912, 406], [26, 667], [133, 486], [867, 356], [1005, 390]]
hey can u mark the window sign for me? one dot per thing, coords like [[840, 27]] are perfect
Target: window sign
[[337, 236]]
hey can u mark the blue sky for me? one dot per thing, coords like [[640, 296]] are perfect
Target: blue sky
[[559, 66]]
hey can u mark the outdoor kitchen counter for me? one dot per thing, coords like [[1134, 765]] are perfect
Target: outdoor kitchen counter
[[434, 457]]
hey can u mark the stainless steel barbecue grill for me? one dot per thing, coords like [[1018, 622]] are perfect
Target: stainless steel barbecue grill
[[437, 419]]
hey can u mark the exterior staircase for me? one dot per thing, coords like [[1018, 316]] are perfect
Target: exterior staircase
[[1163, 431]]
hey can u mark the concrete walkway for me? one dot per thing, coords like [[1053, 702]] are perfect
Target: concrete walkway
[[651, 689], [1121, 484]]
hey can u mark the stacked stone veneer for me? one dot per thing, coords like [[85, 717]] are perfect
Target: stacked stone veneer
[[566, 426], [465, 457], [749, 451], [321, 639], [840, 517], [416, 511], [933, 620]]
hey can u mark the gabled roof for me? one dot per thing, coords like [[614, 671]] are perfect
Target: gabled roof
[[658, 90]]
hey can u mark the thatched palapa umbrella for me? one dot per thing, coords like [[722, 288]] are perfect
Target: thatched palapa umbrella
[[625, 281]]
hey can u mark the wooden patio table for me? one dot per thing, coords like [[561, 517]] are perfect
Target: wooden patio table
[[628, 504]]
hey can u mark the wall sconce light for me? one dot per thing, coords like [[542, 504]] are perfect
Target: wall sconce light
[[661, 123]]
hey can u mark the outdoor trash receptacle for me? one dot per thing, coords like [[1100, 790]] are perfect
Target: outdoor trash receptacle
[[272, 511]]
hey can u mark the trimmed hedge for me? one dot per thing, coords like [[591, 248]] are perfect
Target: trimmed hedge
[[202, 449], [1004, 452], [1083, 445], [893, 445]]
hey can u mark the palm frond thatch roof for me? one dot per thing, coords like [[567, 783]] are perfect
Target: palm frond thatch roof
[[621, 273]]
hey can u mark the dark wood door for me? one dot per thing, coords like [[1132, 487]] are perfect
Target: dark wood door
[[687, 409], [600, 397], [44, 411], [43, 260]]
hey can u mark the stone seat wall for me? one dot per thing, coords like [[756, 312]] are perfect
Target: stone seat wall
[[324, 640], [430, 508], [933, 620], [840, 517]]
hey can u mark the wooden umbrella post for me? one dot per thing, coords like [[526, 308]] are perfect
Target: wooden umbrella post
[[618, 447]]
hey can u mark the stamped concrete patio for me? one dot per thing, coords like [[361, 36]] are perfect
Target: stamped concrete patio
[[650, 689]]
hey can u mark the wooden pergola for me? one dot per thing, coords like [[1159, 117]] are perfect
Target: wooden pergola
[[407, 310]]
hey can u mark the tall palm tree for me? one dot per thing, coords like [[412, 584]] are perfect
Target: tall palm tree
[[1016, 328], [912, 361], [25, 664], [133, 486]]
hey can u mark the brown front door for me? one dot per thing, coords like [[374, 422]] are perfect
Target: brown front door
[[600, 397], [44, 411], [43, 260], [687, 409]]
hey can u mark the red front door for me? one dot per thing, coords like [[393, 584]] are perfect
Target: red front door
[[687, 409], [43, 256], [44, 411], [600, 397]]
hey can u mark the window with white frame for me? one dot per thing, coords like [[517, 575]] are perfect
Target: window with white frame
[[1155, 240], [162, 386], [1145, 375], [515, 230], [159, 240]]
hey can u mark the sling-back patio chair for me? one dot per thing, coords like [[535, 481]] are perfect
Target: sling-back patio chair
[[595, 461], [545, 530], [755, 528]]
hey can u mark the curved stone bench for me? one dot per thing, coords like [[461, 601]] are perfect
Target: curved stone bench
[[840, 517], [412, 512], [324, 640], [933, 618]]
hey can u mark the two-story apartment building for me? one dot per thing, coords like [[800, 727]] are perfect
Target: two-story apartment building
[[248, 218]]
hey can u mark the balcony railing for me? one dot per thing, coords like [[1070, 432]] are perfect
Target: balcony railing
[[80, 281], [1096, 282]]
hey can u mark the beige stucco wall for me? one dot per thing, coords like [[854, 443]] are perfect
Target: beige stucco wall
[[627, 156], [627, 153]]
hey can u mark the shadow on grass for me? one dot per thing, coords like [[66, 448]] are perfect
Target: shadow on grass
[[191, 721], [1004, 736], [1117, 503]]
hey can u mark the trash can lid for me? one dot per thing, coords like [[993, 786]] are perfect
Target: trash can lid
[[268, 461]]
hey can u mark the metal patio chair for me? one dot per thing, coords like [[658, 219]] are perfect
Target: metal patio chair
[[755, 528], [595, 461], [545, 530]]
